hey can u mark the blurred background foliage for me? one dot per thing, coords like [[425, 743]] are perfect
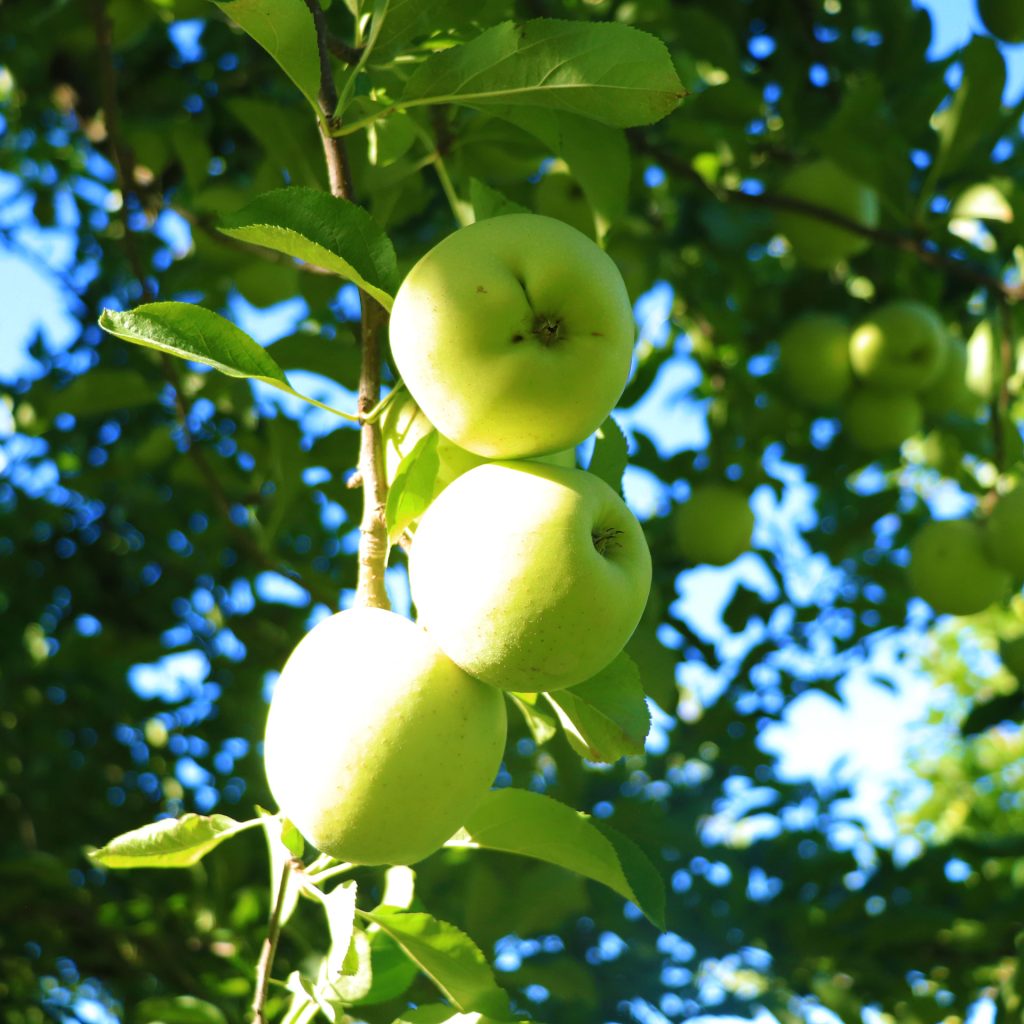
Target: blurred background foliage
[[166, 537]]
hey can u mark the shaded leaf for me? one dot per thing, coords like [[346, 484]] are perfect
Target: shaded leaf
[[324, 231], [489, 202], [102, 391], [517, 821], [447, 956], [414, 486], [178, 1010], [542, 726], [605, 717], [285, 29], [611, 454]]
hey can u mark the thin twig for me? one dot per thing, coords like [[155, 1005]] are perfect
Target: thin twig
[[373, 533], [345, 52], [266, 960]]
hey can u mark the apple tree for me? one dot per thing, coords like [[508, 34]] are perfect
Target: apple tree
[[815, 226]]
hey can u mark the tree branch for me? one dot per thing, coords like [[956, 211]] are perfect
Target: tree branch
[[915, 245], [266, 960], [373, 535]]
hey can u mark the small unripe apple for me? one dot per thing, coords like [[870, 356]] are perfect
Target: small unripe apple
[[951, 570], [514, 335], [880, 421], [714, 525], [529, 576], [816, 242], [1004, 532], [814, 360], [949, 392], [901, 346], [377, 746], [1003, 18]]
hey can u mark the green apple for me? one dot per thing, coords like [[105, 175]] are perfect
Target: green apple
[[816, 242], [529, 576], [559, 194], [1004, 532], [714, 525], [900, 347], [880, 421], [950, 568], [514, 335], [377, 745], [949, 392], [1003, 18], [814, 360]]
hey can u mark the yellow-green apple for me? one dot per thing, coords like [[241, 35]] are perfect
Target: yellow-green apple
[[880, 421], [1003, 18], [949, 392], [714, 525], [529, 576], [814, 359], [1004, 531], [378, 746], [951, 570], [815, 241], [901, 346], [514, 335]]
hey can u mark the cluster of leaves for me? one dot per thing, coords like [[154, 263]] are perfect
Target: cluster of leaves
[[166, 533]]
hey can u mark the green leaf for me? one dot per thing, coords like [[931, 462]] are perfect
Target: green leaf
[[340, 906], [192, 332], [605, 71], [532, 825], [177, 1010], [337, 988], [335, 358], [489, 202], [976, 107], [447, 956], [983, 202], [392, 971], [414, 486], [324, 231], [100, 392], [289, 142], [541, 725], [611, 454], [606, 717], [285, 29], [169, 843], [597, 156]]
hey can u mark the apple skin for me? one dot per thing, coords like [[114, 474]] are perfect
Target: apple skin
[[514, 335], [880, 421], [1004, 532], [814, 360], [900, 347], [1003, 18], [378, 746], [714, 525], [509, 581], [950, 568], [815, 242]]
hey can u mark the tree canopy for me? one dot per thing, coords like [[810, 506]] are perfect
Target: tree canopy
[[168, 532]]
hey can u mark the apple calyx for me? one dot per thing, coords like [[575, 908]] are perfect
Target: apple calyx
[[606, 540]]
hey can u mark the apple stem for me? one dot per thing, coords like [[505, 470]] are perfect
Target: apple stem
[[373, 532]]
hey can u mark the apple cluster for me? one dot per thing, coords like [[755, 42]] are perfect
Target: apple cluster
[[899, 364], [513, 337], [961, 566]]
